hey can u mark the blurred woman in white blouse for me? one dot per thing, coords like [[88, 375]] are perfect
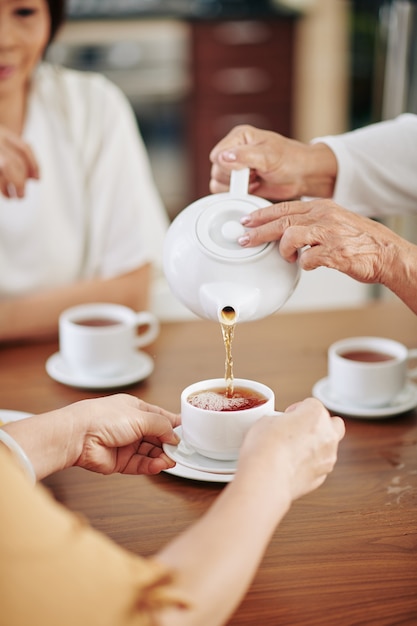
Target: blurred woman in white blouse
[[80, 216]]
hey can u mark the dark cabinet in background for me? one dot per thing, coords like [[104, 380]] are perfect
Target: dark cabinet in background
[[189, 82], [241, 73]]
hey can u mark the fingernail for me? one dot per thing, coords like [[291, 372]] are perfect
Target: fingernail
[[11, 190], [245, 220], [228, 156], [244, 240], [290, 408]]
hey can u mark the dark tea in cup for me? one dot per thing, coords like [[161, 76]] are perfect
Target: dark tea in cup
[[367, 356], [97, 321], [218, 399]]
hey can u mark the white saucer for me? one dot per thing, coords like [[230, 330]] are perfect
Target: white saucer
[[58, 370], [193, 460], [186, 472], [12, 416], [405, 401]]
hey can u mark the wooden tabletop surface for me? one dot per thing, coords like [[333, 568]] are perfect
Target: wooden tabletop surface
[[345, 554]]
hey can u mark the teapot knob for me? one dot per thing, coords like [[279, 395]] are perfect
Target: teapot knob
[[232, 230]]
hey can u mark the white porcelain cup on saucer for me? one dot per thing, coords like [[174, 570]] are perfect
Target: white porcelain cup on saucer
[[368, 371], [100, 339], [214, 432]]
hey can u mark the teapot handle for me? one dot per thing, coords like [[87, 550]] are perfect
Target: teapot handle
[[239, 182]]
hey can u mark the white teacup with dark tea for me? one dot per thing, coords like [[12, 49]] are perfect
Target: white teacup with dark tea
[[100, 339], [369, 371], [215, 421]]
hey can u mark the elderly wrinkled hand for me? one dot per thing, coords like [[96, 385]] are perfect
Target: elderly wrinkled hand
[[281, 168], [336, 238]]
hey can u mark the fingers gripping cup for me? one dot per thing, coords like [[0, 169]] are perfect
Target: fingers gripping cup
[[215, 425]]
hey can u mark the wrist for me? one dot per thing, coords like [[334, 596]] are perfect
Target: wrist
[[260, 479], [399, 269], [320, 171], [49, 440]]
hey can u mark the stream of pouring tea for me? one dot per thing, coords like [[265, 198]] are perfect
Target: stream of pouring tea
[[228, 331]]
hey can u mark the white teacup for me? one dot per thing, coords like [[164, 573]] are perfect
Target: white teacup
[[217, 433], [100, 339], [368, 371]]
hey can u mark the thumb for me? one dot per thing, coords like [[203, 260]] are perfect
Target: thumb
[[242, 156], [159, 426]]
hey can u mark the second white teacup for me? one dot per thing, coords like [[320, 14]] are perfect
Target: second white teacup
[[100, 339], [214, 425], [368, 371]]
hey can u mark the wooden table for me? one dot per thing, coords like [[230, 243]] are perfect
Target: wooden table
[[345, 554]]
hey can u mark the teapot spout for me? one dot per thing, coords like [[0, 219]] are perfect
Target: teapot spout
[[228, 303], [227, 315]]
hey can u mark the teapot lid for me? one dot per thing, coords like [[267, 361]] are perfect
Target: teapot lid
[[218, 227]]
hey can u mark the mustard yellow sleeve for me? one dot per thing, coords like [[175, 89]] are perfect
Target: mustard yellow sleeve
[[56, 570]]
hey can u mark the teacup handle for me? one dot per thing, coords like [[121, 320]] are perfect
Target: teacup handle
[[146, 318], [412, 354], [239, 182]]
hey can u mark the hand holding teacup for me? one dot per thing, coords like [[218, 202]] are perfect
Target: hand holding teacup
[[299, 444], [296, 451]]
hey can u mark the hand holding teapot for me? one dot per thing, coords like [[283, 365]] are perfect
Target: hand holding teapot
[[211, 273]]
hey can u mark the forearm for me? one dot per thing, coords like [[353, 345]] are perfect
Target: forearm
[[35, 316], [216, 559]]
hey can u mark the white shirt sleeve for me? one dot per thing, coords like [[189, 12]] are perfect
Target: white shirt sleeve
[[377, 167]]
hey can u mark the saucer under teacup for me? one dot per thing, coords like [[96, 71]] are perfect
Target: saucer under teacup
[[141, 367], [187, 457], [405, 401], [181, 471]]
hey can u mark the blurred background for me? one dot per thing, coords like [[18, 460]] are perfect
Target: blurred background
[[193, 69]]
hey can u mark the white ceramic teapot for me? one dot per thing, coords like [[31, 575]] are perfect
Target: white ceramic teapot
[[211, 273]]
